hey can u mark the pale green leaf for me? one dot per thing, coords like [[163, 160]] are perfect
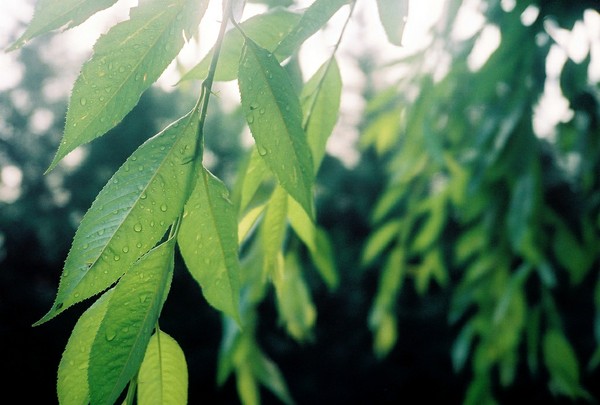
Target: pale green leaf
[[294, 303], [126, 61], [130, 214], [248, 221], [393, 15], [316, 241], [163, 375], [320, 99], [209, 243], [72, 382], [255, 182], [50, 15], [132, 313], [265, 29], [313, 19], [380, 239], [273, 227], [274, 116]]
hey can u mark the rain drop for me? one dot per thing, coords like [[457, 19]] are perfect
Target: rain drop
[[137, 227], [122, 69], [101, 232], [125, 249], [250, 118], [262, 150], [143, 196], [163, 207], [110, 334], [117, 258], [83, 101]]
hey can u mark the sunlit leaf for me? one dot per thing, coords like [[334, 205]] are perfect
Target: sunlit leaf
[[126, 61], [130, 214], [269, 375], [294, 302], [320, 100], [50, 15], [313, 19], [132, 313], [163, 375], [380, 239], [208, 243], [266, 29], [274, 116], [72, 382], [273, 227], [393, 15]]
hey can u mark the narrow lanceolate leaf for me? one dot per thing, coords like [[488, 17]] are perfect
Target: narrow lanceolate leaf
[[313, 19], [50, 15], [393, 14], [163, 376], [72, 382], [124, 333], [273, 113], [320, 100], [130, 214], [209, 244], [265, 29], [273, 227], [126, 61]]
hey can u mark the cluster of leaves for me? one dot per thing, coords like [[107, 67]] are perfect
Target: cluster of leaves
[[478, 203], [163, 198]]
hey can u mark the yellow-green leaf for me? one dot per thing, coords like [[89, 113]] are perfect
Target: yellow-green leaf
[[126, 61], [163, 376]]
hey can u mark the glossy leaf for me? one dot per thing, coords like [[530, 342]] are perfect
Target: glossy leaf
[[274, 116], [126, 61], [50, 15], [130, 214], [266, 29], [273, 228], [208, 242], [163, 375], [72, 382], [313, 19], [132, 313], [320, 99], [393, 15]]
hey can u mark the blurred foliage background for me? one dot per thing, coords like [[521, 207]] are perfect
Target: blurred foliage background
[[466, 237]]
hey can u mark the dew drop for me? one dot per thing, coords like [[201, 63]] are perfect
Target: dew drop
[[262, 150], [143, 298], [163, 207], [151, 223], [250, 118], [137, 227], [261, 111], [101, 232], [125, 249], [83, 101], [122, 69], [143, 196], [138, 245], [110, 334], [117, 258]]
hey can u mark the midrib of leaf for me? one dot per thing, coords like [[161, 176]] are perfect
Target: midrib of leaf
[[127, 78]]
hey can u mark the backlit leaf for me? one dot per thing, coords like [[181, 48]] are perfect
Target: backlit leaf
[[126, 61], [132, 313], [163, 376], [381, 239], [72, 382], [50, 15], [130, 214], [274, 116], [393, 14], [266, 29], [208, 242], [273, 227]]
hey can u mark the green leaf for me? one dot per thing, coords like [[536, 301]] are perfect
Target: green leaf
[[163, 376], [274, 116], [313, 19], [72, 382], [316, 241], [255, 183], [269, 375], [320, 99], [562, 365], [294, 303], [50, 15], [126, 61], [209, 243], [130, 214], [132, 313], [266, 29], [393, 14], [272, 231], [381, 239]]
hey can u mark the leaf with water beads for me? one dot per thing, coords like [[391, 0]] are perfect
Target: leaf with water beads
[[131, 315], [273, 113], [130, 214], [126, 61], [208, 243]]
